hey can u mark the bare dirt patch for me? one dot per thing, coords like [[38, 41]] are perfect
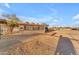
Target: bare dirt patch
[[40, 45]]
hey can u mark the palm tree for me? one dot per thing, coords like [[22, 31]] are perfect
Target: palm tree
[[12, 21]]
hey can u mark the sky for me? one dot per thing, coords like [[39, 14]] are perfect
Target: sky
[[53, 14]]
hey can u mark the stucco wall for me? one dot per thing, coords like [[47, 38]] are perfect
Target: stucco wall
[[3, 29]]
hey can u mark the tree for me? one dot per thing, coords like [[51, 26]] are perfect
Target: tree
[[12, 21]]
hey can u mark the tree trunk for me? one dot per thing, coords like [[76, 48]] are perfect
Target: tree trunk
[[11, 29]]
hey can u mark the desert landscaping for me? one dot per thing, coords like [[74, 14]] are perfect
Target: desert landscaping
[[58, 42]]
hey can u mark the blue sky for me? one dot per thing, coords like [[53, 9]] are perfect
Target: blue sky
[[60, 14]]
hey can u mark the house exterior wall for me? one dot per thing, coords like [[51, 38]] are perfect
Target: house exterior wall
[[31, 27], [21, 27], [3, 29], [35, 27], [16, 29]]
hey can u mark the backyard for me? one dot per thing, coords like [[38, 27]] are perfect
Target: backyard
[[39, 43]]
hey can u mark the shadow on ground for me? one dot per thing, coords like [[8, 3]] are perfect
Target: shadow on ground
[[65, 47]]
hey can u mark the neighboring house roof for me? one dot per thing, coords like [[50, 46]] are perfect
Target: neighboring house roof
[[3, 21], [30, 24]]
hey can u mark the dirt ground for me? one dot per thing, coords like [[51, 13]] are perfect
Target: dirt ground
[[61, 42], [44, 44]]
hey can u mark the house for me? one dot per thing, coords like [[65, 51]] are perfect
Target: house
[[3, 26], [31, 26], [22, 26]]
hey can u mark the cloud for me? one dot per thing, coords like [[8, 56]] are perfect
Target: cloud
[[7, 5], [51, 19], [32, 19], [76, 17], [53, 11], [48, 20], [4, 5], [1, 11], [76, 22], [55, 20]]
